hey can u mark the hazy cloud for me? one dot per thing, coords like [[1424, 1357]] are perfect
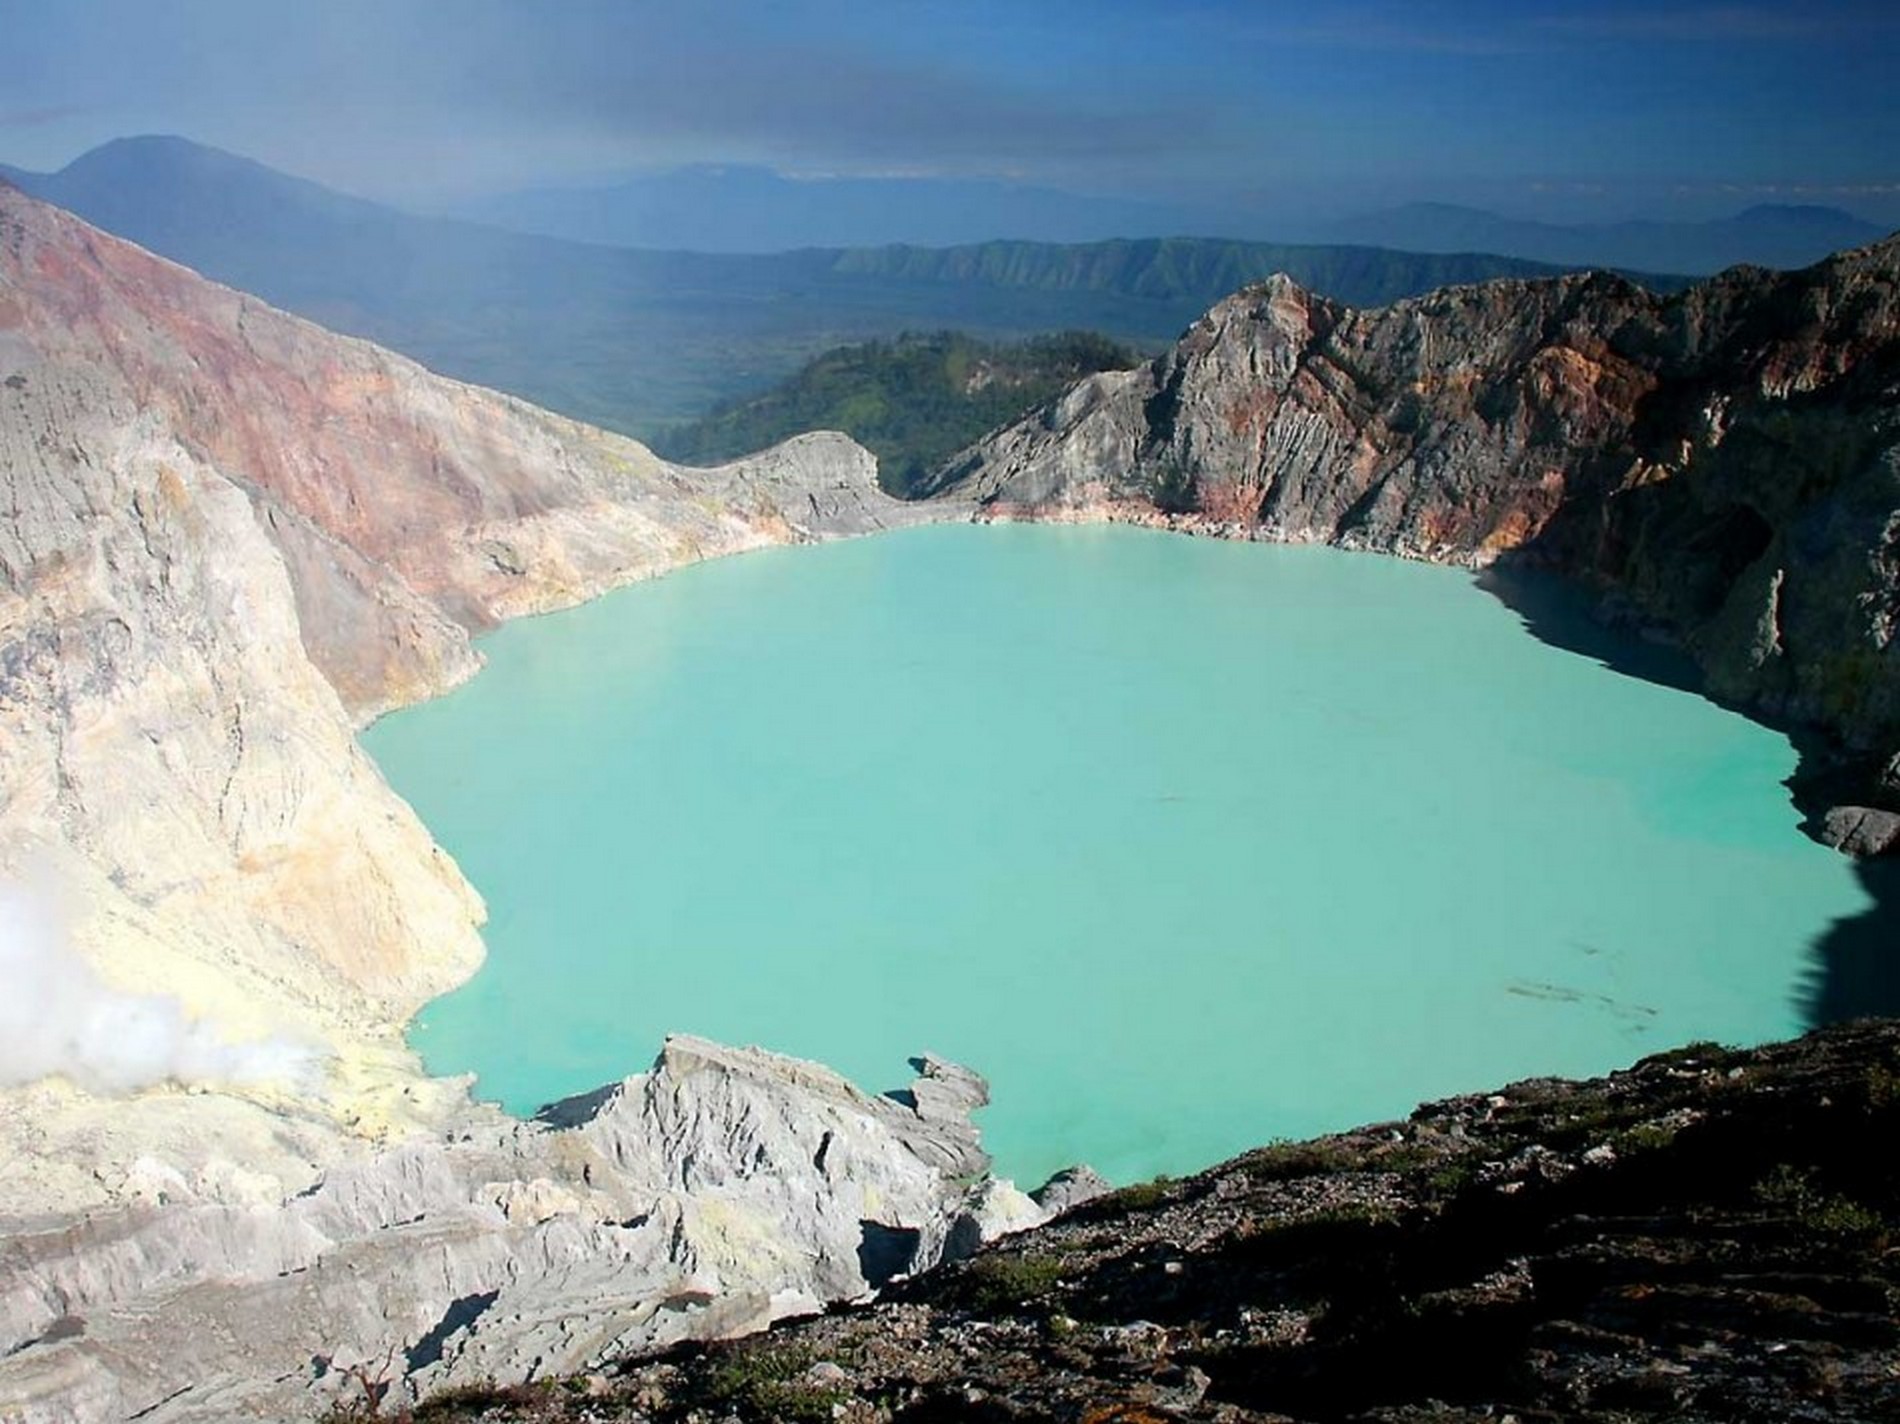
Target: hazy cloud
[[57, 1017], [1403, 29], [790, 100], [442, 98]]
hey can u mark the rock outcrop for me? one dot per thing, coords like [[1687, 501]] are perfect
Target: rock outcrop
[[1724, 463], [1705, 1236], [722, 1190]]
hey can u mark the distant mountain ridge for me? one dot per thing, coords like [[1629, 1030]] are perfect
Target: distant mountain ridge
[[1767, 235], [635, 340], [748, 208], [1167, 269], [744, 208]]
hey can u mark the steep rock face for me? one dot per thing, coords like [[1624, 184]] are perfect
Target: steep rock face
[[230, 537], [721, 1190], [1727, 460]]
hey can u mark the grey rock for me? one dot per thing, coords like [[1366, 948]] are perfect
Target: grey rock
[[992, 1210], [722, 1190], [1069, 1188], [1861, 830], [945, 1090]]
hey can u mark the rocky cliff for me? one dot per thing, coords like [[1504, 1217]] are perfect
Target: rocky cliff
[[1724, 463]]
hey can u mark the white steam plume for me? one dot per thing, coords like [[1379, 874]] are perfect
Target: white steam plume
[[58, 1017]]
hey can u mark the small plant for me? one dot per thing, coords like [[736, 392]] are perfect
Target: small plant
[[1883, 1088], [1142, 1195], [1306, 1159], [773, 1381], [1842, 1216], [1350, 1214], [461, 1401], [1645, 1137], [1789, 1189], [1784, 1186], [1450, 1176], [372, 1385], [1003, 1282], [1703, 1053]]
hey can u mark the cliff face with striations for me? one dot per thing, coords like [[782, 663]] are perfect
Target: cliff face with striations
[[1726, 462]]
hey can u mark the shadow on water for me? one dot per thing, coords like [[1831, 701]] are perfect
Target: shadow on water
[[1854, 968], [1558, 612], [1856, 973]]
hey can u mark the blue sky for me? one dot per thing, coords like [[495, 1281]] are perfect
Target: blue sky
[[1559, 109]]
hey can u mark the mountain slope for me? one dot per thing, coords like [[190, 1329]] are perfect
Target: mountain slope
[[231, 536], [1766, 236], [736, 208], [1727, 462], [224, 1182], [636, 339]]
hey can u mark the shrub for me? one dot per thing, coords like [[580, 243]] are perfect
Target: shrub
[[1002, 1282]]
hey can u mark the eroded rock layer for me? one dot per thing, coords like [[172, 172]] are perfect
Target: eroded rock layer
[[1726, 462]]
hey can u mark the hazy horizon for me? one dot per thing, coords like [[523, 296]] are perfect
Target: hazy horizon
[[1272, 113]]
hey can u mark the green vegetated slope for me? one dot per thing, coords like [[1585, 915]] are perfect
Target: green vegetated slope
[[637, 340], [913, 401]]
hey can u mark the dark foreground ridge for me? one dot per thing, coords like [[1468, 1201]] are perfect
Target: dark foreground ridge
[[1712, 1234]]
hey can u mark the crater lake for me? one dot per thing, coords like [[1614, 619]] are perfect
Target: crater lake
[[1186, 844]]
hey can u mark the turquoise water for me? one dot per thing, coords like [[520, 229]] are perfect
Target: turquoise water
[[1186, 844]]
